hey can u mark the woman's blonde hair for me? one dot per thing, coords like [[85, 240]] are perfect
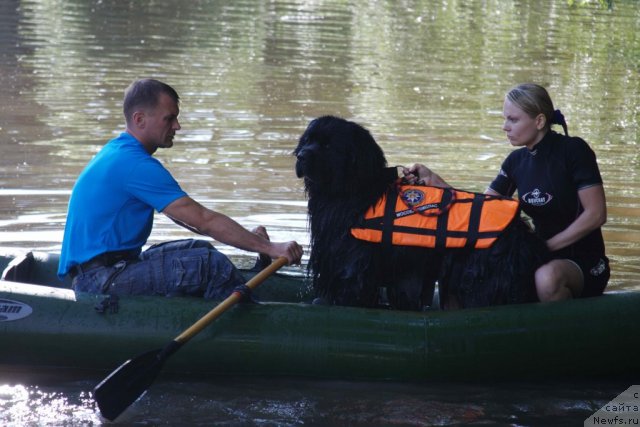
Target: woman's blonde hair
[[534, 99]]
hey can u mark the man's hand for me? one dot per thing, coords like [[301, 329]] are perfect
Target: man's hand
[[290, 250]]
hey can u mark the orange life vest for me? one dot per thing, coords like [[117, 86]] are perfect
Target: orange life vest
[[436, 217]]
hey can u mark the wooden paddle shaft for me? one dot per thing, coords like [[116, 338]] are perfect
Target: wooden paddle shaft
[[230, 301]]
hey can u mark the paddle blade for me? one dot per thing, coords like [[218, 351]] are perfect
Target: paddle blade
[[127, 383]]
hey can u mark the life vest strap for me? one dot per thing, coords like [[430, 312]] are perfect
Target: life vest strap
[[443, 220], [474, 220], [379, 225], [389, 216]]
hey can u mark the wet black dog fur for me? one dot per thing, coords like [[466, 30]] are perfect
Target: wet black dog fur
[[345, 172]]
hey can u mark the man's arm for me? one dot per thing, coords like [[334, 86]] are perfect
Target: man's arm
[[192, 215]]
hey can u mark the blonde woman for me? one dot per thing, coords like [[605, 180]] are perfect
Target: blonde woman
[[559, 186]]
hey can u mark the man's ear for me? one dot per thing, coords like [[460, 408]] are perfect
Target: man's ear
[[139, 119]]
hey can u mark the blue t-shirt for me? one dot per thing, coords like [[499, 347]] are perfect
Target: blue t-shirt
[[113, 201]]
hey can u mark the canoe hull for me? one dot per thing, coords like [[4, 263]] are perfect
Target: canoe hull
[[594, 337]]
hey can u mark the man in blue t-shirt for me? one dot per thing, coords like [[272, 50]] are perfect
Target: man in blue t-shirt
[[111, 211]]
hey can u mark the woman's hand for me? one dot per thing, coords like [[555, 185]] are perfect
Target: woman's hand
[[422, 175]]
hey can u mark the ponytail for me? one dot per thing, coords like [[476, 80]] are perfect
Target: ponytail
[[558, 119]]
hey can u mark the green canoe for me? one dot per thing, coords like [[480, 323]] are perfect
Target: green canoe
[[44, 324]]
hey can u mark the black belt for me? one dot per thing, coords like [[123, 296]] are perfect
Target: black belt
[[106, 259]]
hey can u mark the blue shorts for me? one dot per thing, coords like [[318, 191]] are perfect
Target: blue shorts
[[177, 268]]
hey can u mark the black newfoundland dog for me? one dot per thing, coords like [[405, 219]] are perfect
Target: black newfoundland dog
[[345, 174]]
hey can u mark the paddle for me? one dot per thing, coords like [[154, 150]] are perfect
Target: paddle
[[125, 385]]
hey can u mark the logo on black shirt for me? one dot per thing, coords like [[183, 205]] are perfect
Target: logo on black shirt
[[536, 198]]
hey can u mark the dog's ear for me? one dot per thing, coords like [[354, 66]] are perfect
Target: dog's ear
[[368, 159]]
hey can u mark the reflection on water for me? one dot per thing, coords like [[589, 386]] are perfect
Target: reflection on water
[[36, 406], [426, 77], [286, 402]]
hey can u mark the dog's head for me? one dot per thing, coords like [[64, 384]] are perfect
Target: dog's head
[[338, 157]]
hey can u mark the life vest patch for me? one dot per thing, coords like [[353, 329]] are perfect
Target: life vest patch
[[435, 217], [412, 197]]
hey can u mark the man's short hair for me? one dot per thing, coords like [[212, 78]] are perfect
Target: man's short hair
[[145, 93]]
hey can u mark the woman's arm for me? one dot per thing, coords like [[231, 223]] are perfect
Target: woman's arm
[[491, 192], [594, 216]]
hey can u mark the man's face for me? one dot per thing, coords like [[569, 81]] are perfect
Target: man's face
[[160, 124]]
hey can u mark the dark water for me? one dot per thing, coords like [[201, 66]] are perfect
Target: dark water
[[427, 78], [46, 399]]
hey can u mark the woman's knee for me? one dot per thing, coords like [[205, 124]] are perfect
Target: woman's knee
[[546, 282], [557, 280]]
